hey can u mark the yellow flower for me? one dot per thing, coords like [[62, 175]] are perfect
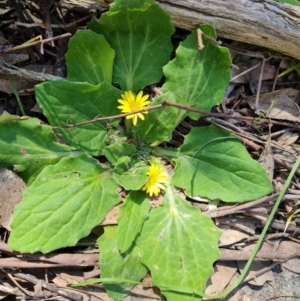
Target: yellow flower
[[156, 176], [131, 103]]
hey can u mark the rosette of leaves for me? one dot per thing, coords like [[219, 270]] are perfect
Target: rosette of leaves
[[70, 192]]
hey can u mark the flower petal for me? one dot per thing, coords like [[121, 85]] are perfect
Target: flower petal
[[130, 103]]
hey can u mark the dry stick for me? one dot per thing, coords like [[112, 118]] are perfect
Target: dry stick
[[246, 136], [97, 119], [179, 106], [245, 72], [233, 209], [259, 84], [12, 291], [25, 291], [252, 54], [65, 35], [53, 289], [220, 115], [183, 107], [53, 25]]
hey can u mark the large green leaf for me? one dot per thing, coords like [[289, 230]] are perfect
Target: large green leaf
[[64, 203], [129, 176], [213, 163], [114, 151], [115, 265], [89, 58], [27, 146], [292, 2], [140, 34], [179, 246], [198, 78], [158, 124], [65, 102], [132, 215]]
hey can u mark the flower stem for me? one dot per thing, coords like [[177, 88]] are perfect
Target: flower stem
[[128, 125]]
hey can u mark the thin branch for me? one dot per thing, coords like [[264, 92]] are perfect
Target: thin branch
[[165, 102], [65, 35], [97, 119]]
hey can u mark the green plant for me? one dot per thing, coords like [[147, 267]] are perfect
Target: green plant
[[70, 192], [292, 2]]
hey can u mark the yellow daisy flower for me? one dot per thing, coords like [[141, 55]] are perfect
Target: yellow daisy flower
[[157, 176], [131, 103]]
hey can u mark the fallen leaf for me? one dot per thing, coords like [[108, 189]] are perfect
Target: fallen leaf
[[281, 104], [257, 278], [11, 193], [292, 265], [287, 150], [266, 158], [224, 273]]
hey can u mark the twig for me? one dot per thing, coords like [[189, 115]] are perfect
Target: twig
[[244, 72], [246, 137], [97, 119], [221, 211], [200, 35], [12, 291], [259, 84], [65, 35], [25, 291], [34, 280], [165, 102], [27, 25], [32, 75]]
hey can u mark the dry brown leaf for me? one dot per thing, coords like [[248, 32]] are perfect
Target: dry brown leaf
[[285, 249], [235, 229], [231, 237], [281, 104], [224, 273], [11, 194], [254, 272], [292, 265], [268, 72], [23, 83], [287, 139], [112, 216], [288, 150], [266, 159]]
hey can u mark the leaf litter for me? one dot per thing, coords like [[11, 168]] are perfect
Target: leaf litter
[[285, 148]]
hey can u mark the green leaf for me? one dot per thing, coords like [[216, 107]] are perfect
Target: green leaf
[[114, 151], [27, 146], [65, 102], [179, 246], [158, 124], [119, 5], [115, 265], [140, 33], [213, 163], [198, 78], [132, 215], [64, 203], [292, 2], [89, 58], [131, 177]]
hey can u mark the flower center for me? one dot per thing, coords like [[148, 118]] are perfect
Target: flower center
[[134, 106]]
